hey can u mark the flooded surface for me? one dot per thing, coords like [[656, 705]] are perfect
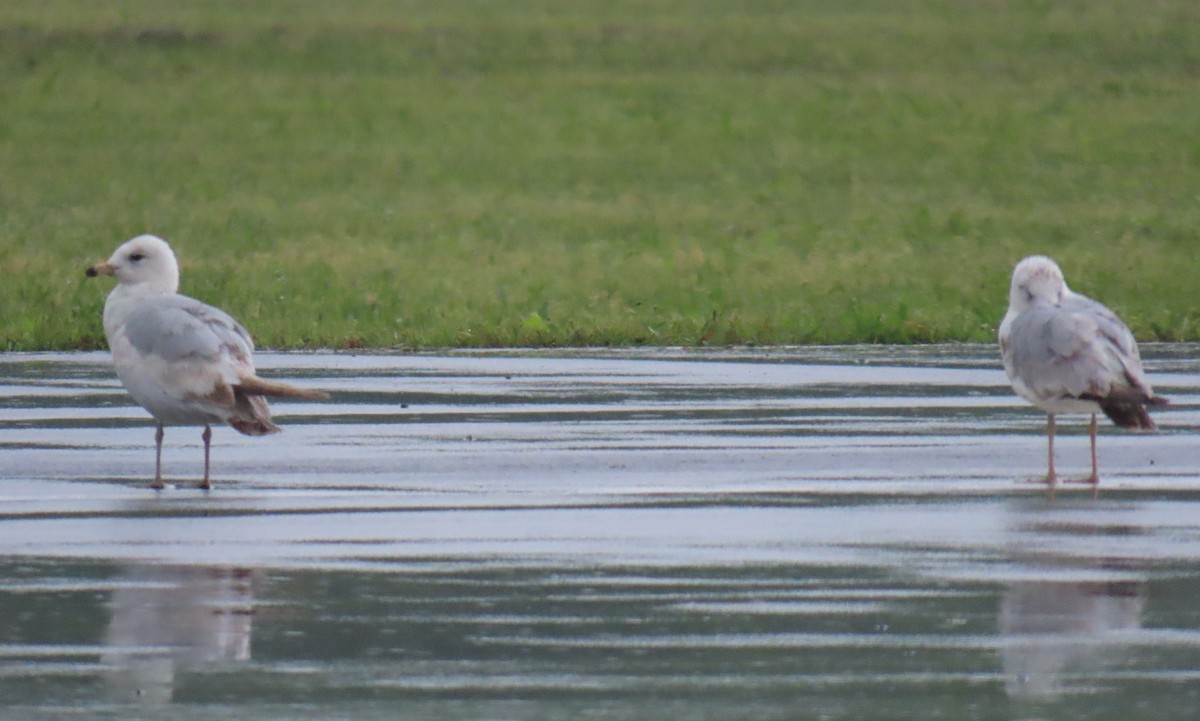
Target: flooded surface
[[758, 534]]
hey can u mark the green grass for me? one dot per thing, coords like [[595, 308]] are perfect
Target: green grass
[[601, 171]]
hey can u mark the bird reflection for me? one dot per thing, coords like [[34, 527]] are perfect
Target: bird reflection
[[1057, 630], [169, 619], [1059, 625]]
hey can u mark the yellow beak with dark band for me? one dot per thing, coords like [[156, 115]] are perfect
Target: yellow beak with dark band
[[99, 269]]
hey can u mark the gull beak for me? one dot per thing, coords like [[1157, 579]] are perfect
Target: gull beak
[[99, 269]]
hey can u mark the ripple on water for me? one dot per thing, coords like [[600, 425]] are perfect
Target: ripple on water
[[713, 534]]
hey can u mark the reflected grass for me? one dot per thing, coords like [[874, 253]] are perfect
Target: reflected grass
[[481, 174]]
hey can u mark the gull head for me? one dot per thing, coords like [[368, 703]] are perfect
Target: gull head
[[1036, 279], [145, 261]]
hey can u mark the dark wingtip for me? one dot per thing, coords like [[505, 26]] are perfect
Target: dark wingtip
[[1129, 415]]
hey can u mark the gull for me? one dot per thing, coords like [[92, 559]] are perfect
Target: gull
[[184, 361], [1066, 353]]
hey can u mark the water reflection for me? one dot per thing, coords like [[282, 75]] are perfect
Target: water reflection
[[1062, 625], [1057, 631], [166, 620], [702, 536]]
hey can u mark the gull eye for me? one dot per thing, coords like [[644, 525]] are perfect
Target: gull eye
[[137, 256]]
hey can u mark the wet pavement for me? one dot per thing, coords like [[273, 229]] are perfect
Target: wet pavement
[[834, 533]]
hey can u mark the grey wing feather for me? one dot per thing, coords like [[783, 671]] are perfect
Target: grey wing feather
[[1078, 348], [1115, 344], [1119, 340], [179, 328]]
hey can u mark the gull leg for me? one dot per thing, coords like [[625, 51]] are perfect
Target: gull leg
[[158, 438], [1093, 479], [1051, 477], [207, 436]]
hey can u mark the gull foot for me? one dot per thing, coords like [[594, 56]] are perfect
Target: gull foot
[[1047, 480]]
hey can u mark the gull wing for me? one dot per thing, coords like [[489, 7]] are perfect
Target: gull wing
[[180, 329], [1076, 349]]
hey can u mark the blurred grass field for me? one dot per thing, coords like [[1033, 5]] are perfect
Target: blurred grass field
[[598, 172]]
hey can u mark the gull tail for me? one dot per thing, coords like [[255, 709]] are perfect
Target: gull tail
[[1132, 415], [253, 416]]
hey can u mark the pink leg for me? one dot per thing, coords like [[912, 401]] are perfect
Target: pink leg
[[158, 439], [1051, 477], [1093, 479], [207, 436]]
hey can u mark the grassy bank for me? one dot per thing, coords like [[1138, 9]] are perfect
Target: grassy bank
[[601, 172]]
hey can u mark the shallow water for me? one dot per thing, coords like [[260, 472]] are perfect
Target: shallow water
[[785, 533]]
